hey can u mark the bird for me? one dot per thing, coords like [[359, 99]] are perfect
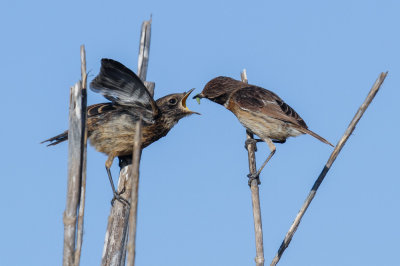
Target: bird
[[111, 125], [260, 111]]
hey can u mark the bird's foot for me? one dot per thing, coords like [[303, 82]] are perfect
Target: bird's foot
[[249, 142], [252, 177], [122, 191], [117, 196]]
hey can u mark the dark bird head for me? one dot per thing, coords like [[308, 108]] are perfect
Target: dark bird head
[[219, 89], [173, 106]]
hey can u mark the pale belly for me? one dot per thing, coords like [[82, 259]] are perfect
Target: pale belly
[[114, 138], [267, 127]]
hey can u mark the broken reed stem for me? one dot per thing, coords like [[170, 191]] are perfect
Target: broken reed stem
[[144, 53], [76, 142], [137, 144], [144, 49], [328, 165], [117, 229], [255, 196], [81, 211]]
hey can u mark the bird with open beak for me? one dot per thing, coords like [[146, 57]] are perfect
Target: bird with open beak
[[111, 126], [260, 111]]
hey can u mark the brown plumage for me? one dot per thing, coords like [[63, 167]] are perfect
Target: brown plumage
[[260, 111], [111, 126]]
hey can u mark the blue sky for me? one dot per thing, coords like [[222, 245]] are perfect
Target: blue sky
[[321, 57]]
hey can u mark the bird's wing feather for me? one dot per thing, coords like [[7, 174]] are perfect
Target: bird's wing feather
[[257, 99], [98, 109], [104, 109], [120, 85]]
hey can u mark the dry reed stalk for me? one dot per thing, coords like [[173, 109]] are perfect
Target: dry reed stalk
[[332, 158], [255, 195]]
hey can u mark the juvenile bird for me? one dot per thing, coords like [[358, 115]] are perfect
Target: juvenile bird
[[111, 125], [259, 110]]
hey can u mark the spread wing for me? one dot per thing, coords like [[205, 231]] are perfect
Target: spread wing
[[257, 99], [120, 85]]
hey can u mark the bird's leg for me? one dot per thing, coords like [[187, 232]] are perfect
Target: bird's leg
[[117, 195], [257, 174]]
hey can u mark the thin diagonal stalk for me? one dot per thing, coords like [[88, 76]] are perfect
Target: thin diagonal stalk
[[332, 158]]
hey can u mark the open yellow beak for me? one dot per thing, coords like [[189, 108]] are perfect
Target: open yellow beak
[[184, 101]]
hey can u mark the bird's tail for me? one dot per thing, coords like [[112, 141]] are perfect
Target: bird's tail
[[57, 139], [315, 135]]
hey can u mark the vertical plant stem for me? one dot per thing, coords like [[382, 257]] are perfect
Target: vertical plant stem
[[135, 194], [144, 49], [114, 250], [76, 140], [255, 195], [81, 211], [114, 243]]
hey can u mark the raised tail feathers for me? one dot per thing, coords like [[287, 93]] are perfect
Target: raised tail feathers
[[57, 139], [315, 135]]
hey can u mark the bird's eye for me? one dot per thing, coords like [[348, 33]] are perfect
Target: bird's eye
[[172, 101]]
